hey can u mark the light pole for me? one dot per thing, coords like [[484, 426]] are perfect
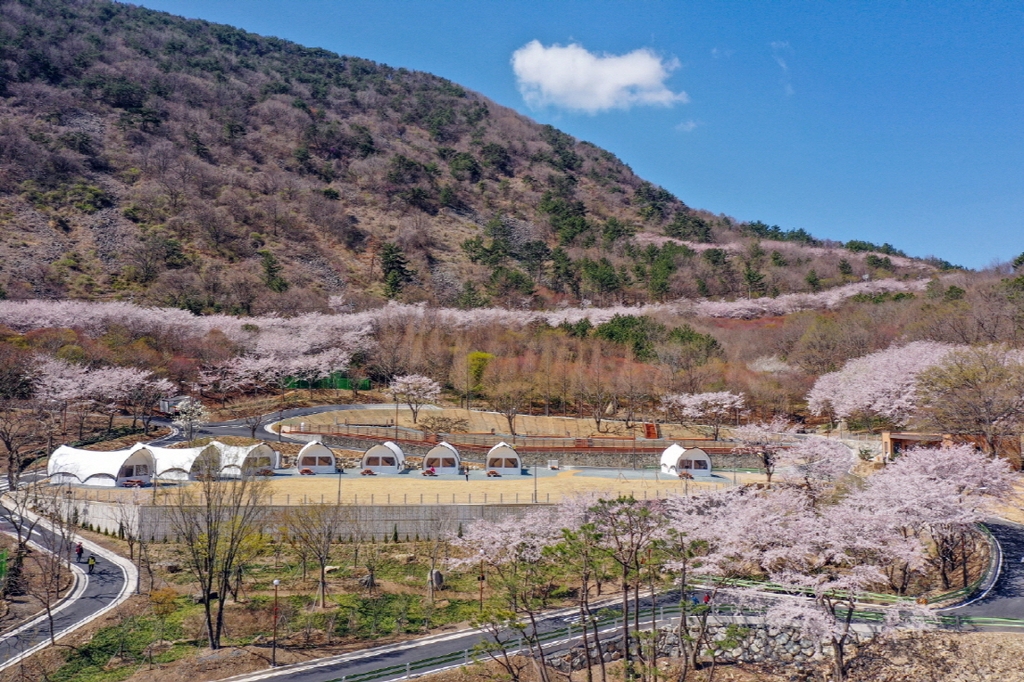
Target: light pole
[[396, 418], [273, 646], [338, 469], [535, 498]]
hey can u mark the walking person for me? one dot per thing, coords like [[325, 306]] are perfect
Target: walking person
[[92, 562], [78, 553]]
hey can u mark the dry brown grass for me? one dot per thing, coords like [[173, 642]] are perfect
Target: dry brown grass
[[413, 488]]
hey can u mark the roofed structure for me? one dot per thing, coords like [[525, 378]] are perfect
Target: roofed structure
[[676, 460], [384, 458], [503, 459]]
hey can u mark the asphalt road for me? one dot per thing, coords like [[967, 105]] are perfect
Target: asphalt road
[[1006, 598], [237, 427], [92, 596]]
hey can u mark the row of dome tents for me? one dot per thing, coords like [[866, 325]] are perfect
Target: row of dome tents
[[145, 463], [388, 457]]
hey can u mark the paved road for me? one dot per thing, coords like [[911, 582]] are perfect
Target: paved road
[[93, 595], [1006, 598], [237, 427]]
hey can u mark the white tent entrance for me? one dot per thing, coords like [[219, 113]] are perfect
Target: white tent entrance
[[678, 460]]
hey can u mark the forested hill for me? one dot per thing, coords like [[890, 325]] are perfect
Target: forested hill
[[190, 164]]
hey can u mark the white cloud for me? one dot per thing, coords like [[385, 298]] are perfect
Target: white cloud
[[687, 126], [781, 50], [570, 77]]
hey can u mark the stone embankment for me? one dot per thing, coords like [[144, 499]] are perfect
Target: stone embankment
[[733, 644]]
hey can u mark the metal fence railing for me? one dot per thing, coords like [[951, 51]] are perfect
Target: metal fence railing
[[488, 440], [466, 656]]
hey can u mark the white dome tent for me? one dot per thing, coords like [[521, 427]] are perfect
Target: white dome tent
[[179, 464], [316, 457], [443, 458], [384, 458], [69, 465], [503, 459], [678, 460], [234, 459], [148, 464]]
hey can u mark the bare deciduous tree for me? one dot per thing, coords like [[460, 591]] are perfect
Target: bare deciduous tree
[[216, 521], [316, 528]]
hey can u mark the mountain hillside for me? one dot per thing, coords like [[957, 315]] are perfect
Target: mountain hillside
[[182, 163]]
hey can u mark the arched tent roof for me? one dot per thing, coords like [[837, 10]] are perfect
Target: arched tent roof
[[676, 459], [387, 449], [317, 457], [176, 463], [93, 467], [234, 457], [504, 459], [439, 457]]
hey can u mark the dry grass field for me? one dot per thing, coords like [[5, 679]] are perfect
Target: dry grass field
[[413, 488]]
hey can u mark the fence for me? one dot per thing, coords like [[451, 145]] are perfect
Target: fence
[[484, 441], [654, 616]]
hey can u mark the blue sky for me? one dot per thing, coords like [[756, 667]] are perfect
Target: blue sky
[[887, 121]]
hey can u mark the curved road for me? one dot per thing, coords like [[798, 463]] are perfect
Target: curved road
[[92, 595], [114, 580], [1006, 598]]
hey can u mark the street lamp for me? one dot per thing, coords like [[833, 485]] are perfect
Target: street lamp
[[535, 498], [273, 649]]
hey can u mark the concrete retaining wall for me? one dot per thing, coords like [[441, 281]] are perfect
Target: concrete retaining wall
[[361, 522]]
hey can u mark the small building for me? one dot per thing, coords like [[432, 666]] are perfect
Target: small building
[[676, 460], [443, 458], [172, 405], [69, 465], [384, 458], [503, 459], [316, 457], [1010, 448]]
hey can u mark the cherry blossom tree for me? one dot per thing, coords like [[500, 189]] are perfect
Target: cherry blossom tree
[[514, 551], [191, 416], [816, 464], [415, 390], [940, 492], [710, 410], [879, 385], [765, 440]]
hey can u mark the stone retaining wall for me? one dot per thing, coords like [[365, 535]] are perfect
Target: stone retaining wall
[[616, 460], [747, 644]]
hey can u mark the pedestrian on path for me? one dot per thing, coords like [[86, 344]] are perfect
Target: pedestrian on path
[[78, 553], [92, 562]]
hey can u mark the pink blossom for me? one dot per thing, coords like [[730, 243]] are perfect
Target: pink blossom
[[881, 384]]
